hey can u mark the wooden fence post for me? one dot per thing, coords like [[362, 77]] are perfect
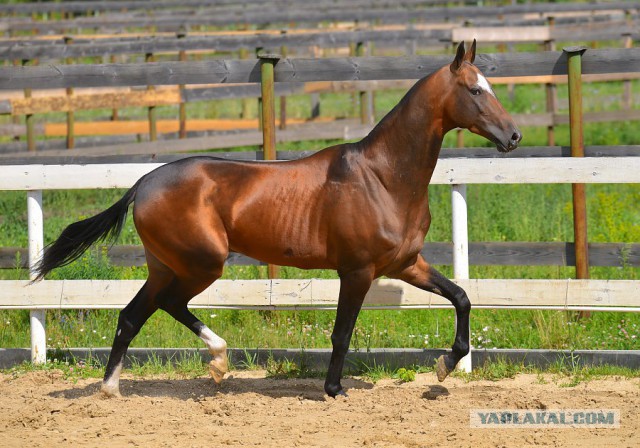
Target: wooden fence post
[[354, 95], [114, 111], [182, 113], [244, 113], [71, 138], [460, 238], [627, 100], [16, 118], [551, 92], [29, 120], [268, 119], [153, 125], [283, 98], [257, 52], [366, 116], [314, 97], [574, 63], [37, 318]]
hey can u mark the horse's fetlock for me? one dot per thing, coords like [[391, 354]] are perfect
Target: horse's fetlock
[[461, 349]]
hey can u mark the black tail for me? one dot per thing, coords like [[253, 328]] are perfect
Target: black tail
[[79, 236]]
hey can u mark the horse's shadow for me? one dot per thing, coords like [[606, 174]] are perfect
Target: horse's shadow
[[200, 388], [435, 392]]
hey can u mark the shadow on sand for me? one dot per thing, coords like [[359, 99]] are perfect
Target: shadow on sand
[[199, 388]]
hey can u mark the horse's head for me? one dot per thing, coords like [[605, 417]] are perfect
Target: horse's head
[[472, 104]]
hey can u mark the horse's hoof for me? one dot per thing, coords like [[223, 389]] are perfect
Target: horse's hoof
[[110, 392], [441, 368], [342, 393], [334, 391], [218, 367]]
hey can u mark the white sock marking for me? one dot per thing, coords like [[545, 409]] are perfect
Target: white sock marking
[[112, 384], [214, 343]]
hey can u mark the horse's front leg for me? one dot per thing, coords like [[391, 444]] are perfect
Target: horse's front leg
[[353, 288], [423, 276]]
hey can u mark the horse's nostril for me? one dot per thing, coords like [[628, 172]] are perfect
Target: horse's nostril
[[516, 136]]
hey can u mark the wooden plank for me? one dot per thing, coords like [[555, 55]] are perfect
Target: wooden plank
[[141, 74], [551, 254], [98, 101], [97, 38], [300, 14], [552, 170], [213, 43], [339, 129], [503, 253], [74, 294], [227, 91], [562, 79], [86, 157], [163, 5], [304, 70], [501, 34], [448, 171], [122, 127], [160, 6]]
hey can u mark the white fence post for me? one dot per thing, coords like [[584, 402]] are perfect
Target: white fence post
[[460, 236], [36, 242]]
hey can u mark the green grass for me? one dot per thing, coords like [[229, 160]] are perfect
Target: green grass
[[496, 213]]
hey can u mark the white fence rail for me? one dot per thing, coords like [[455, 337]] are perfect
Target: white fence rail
[[604, 295]]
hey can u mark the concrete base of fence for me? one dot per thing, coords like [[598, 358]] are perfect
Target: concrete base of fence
[[318, 359]]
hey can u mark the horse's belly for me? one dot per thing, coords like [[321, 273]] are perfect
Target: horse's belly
[[282, 236]]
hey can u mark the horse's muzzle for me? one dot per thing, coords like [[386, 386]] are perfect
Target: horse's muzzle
[[515, 139], [512, 143]]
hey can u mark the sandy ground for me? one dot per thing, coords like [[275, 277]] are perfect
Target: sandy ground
[[42, 409]]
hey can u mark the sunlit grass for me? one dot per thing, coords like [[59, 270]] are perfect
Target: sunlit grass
[[496, 213]]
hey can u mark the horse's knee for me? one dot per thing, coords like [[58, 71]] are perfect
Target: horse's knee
[[340, 343]]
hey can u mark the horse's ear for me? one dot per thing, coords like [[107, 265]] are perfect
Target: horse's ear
[[470, 55], [457, 62]]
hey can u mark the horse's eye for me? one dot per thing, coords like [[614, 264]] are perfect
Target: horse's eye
[[475, 91]]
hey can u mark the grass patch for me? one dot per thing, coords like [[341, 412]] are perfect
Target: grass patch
[[184, 366], [497, 370], [285, 368]]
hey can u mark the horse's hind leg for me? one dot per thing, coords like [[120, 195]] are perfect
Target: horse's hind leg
[[174, 301], [131, 319], [423, 276]]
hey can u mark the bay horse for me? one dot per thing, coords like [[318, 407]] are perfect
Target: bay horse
[[359, 208]]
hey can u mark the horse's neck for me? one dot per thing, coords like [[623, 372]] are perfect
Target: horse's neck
[[405, 145]]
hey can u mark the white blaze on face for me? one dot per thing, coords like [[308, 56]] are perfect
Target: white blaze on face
[[484, 84]]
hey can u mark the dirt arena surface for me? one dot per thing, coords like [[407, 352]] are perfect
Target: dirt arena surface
[[42, 409]]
